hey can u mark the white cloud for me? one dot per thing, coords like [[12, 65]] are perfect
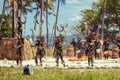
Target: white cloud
[[74, 18]]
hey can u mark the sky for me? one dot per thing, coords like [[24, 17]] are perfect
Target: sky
[[68, 13]]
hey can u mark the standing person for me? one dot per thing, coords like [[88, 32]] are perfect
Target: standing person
[[20, 25], [90, 55], [106, 45], [78, 48], [78, 44], [19, 50], [106, 48], [83, 49], [40, 50], [74, 44], [96, 48], [58, 52]]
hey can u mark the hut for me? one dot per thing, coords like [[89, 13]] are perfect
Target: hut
[[8, 51]]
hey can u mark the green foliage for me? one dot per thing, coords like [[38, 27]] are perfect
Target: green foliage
[[6, 29], [60, 74], [93, 16], [90, 16]]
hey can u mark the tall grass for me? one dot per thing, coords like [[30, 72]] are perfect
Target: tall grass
[[60, 74]]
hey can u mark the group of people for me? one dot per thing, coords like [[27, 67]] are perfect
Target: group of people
[[40, 53], [40, 45], [58, 52], [90, 48]]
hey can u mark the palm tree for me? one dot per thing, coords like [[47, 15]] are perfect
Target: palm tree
[[102, 27], [111, 10], [13, 18], [48, 5], [41, 3], [56, 20], [23, 7], [47, 36]]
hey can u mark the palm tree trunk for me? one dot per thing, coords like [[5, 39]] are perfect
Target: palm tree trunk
[[3, 11], [102, 28], [41, 17], [55, 25], [47, 37], [13, 20]]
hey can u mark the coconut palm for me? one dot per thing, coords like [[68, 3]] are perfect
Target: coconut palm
[[23, 7], [48, 5], [40, 9], [111, 15], [56, 20]]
